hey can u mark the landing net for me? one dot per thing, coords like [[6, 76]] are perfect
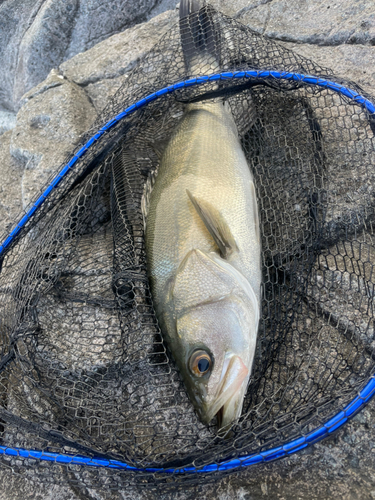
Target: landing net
[[88, 390]]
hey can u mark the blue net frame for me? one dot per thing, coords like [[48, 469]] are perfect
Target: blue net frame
[[333, 424]]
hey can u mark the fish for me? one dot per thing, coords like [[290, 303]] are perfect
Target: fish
[[203, 242]]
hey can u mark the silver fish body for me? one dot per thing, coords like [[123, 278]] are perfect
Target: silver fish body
[[203, 253]]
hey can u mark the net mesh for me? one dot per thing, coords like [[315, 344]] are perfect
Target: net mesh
[[84, 370]]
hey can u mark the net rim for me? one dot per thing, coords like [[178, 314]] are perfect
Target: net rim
[[251, 74], [297, 444]]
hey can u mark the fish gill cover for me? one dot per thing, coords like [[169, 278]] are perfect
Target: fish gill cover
[[89, 392]]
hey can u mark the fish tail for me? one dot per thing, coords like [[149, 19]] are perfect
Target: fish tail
[[189, 7], [199, 38]]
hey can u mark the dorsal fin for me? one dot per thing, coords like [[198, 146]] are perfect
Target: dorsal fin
[[216, 225]]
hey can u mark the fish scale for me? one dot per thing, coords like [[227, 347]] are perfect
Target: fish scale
[[203, 254], [212, 166]]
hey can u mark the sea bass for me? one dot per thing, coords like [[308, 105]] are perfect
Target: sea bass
[[203, 253]]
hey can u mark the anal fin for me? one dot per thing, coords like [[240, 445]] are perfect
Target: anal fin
[[216, 225]]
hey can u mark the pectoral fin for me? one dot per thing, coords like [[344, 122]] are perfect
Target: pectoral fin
[[216, 226]]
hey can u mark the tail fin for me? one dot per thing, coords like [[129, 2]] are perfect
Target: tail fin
[[189, 7], [198, 37]]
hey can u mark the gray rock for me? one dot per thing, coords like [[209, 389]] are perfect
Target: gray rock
[[15, 18], [118, 54], [43, 44], [352, 62], [234, 8], [37, 35], [10, 187], [100, 92], [333, 23], [162, 6], [7, 121], [49, 124], [102, 69], [16, 487]]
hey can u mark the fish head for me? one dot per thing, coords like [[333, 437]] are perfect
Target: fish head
[[217, 350], [215, 339]]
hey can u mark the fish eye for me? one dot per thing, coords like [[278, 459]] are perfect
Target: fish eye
[[200, 363]]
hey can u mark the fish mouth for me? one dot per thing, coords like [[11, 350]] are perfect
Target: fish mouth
[[228, 404]]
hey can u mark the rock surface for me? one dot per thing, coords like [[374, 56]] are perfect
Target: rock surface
[[334, 23], [339, 468], [7, 121], [10, 189], [37, 35], [53, 115], [52, 119], [102, 69]]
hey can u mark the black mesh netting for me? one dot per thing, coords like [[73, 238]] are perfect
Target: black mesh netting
[[83, 367]]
